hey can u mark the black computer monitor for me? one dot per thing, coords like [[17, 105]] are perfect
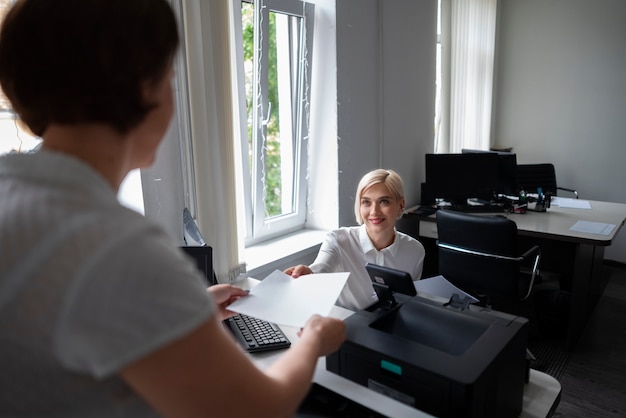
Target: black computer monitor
[[203, 256], [507, 170], [454, 178]]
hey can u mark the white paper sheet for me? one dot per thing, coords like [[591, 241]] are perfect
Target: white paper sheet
[[564, 202], [593, 227], [281, 299], [439, 286]]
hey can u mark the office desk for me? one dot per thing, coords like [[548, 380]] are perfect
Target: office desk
[[541, 395], [587, 249]]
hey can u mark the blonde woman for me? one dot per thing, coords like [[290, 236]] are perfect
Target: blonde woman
[[379, 202]]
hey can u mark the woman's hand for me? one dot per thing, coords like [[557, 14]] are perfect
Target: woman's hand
[[329, 332], [299, 270], [224, 295]]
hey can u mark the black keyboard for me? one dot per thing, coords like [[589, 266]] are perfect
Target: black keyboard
[[255, 334]]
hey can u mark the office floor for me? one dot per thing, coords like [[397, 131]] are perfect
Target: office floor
[[594, 379]]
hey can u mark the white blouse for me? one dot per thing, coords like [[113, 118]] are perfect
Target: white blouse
[[349, 249]]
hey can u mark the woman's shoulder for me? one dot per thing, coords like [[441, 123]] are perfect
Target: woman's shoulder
[[407, 240], [343, 237], [345, 233]]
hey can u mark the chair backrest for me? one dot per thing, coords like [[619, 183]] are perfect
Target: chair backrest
[[532, 176], [478, 253]]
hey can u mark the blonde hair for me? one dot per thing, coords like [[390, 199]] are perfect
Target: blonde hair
[[389, 178]]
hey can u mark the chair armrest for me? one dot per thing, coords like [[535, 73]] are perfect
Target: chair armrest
[[534, 255], [569, 190], [531, 252]]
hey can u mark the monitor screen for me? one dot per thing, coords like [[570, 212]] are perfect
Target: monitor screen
[[507, 170], [203, 256], [454, 178], [397, 280], [387, 282]]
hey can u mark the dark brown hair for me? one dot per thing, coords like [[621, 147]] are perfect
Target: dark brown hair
[[84, 61]]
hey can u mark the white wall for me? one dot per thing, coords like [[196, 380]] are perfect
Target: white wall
[[385, 92], [561, 93]]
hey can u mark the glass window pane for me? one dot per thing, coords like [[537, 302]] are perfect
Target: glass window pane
[[247, 24], [14, 136], [275, 80]]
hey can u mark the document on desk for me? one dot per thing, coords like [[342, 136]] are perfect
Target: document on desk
[[593, 227], [440, 286], [281, 299], [564, 202]]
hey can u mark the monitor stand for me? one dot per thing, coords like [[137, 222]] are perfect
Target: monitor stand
[[386, 300]]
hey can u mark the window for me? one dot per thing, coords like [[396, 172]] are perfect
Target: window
[[275, 46], [15, 136], [438, 79], [465, 70]]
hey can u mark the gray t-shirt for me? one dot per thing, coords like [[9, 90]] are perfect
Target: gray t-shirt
[[87, 287]]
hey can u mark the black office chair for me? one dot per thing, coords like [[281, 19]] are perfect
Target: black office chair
[[532, 176], [479, 254]]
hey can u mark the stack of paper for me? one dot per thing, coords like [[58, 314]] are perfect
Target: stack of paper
[[439, 286], [283, 300]]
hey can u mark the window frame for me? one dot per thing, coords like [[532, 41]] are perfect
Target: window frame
[[258, 226]]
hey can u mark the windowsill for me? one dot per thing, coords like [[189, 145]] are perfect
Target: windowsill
[[263, 258]]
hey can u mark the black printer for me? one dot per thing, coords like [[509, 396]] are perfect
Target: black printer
[[446, 359]]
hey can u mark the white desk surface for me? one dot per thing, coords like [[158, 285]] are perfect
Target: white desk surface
[[556, 222], [539, 394]]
